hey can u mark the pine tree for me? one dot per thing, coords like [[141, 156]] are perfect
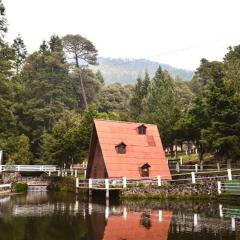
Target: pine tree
[[47, 92], [140, 92], [20, 53], [223, 134], [161, 105]]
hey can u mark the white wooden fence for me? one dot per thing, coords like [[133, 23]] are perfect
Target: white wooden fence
[[28, 168]]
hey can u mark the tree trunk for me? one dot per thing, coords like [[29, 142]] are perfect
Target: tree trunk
[[81, 82], [83, 90]]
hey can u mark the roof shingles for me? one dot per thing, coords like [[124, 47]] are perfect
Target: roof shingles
[[140, 149]]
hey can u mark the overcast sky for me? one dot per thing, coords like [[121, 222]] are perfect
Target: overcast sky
[[176, 32]]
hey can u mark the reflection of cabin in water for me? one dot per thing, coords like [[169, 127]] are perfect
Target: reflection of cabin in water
[[139, 226], [126, 149], [133, 225]]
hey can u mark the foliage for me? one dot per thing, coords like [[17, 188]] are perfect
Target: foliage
[[61, 184], [21, 151], [49, 98], [83, 52], [160, 106], [20, 187], [20, 53]]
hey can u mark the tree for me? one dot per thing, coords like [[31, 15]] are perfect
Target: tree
[[115, 98], [20, 53], [82, 51], [3, 25], [22, 153], [100, 78], [47, 92], [61, 146], [7, 118], [92, 86], [139, 93], [223, 134], [161, 105]]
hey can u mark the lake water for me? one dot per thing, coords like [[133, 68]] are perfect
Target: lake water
[[45, 216]]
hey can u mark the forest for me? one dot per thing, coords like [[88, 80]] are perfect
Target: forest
[[48, 99]]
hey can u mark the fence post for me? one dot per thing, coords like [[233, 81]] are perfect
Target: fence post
[[0, 168], [196, 168], [219, 187], [159, 181], [195, 219], [201, 165], [220, 211], [193, 177], [181, 161], [218, 167], [77, 183], [18, 168], [58, 173], [124, 182], [49, 173], [233, 223], [107, 188], [90, 186], [177, 167], [229, 174], [75, 173], [90, 183]]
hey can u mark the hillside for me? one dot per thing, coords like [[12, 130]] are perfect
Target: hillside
[[127, 70]]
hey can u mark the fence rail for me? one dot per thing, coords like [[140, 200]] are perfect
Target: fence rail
[[229, 181], [28, 168]]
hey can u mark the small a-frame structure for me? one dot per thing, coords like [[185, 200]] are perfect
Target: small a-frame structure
[[126, 149]]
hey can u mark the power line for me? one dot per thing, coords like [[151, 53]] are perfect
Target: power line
[[182, 49]]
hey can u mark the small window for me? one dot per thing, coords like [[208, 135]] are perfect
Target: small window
[[145, 170], [121, 148], [142, 129]]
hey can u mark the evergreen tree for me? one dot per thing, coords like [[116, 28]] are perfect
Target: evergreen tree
[[140, 92], [223, 135], [161, 105], [20, 53], [47, 90], [83, 52]]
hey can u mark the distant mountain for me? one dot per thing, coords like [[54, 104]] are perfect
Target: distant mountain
[[127, 70]]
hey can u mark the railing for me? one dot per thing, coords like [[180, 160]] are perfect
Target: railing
[[179, 167], [5, 186], [227, 181], [231, 187], [28, 168]]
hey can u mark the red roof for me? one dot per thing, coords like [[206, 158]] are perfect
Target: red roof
[[140, 149]]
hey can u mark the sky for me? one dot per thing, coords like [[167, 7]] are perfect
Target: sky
[[175, 32]]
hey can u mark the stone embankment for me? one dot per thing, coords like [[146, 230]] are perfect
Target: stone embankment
[[203, 189]]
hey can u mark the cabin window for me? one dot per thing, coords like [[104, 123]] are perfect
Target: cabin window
[[121, 148], [142, 129], [145, 170]]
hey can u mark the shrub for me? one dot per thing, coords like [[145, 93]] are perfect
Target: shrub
[[20, 187]]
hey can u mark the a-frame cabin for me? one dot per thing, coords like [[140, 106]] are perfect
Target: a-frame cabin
[[126, 149]]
